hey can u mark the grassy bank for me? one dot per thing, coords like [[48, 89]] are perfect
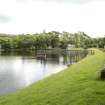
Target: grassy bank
[[77, 85]]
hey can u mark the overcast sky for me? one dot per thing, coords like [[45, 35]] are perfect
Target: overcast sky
[[31, 16]]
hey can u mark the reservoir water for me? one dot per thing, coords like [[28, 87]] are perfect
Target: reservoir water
[[18, 71]]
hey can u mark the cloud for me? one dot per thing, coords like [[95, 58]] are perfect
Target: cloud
[[21, 1], [30, 16], [80, 1], [4, 18], [68, 1], [60, 1]]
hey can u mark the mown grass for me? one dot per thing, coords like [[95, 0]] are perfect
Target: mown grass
[[77, 85]]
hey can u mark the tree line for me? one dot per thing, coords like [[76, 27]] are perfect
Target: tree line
[[47, 40]]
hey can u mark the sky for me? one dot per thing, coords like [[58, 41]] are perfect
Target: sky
[[31, 16]]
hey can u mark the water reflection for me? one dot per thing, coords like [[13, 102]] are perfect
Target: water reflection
[[19, 70]]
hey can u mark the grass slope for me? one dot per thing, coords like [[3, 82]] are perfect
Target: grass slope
[[77, 85]]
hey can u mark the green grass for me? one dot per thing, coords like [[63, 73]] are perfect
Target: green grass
[[77, 85]]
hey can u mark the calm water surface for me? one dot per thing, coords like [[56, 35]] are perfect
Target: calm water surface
[[18, 71]]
